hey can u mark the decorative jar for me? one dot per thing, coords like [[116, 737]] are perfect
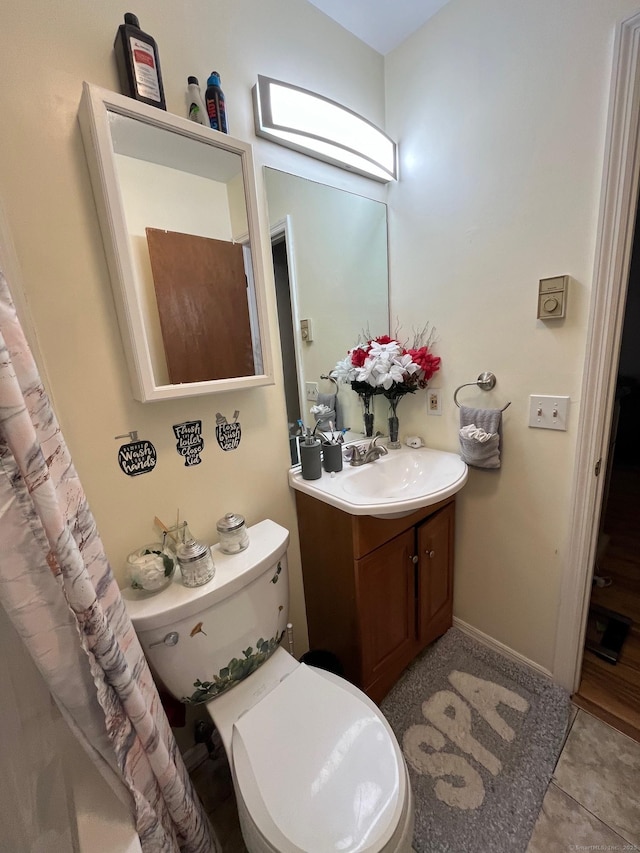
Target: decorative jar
[[233, 533], [196, 562], [150, 567]]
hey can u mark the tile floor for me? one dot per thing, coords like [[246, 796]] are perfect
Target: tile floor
[[592, 802]]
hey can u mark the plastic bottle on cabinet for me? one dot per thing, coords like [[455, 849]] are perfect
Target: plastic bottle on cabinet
[[214, 100], [197, 110], [138, 63]]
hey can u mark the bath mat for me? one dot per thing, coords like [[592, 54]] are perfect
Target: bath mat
[[481, 736]]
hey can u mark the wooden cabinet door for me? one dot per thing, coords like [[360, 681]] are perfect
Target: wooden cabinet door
[[435, 576], [386, 606]]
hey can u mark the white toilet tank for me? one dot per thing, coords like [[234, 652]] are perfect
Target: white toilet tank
[[225, 629]]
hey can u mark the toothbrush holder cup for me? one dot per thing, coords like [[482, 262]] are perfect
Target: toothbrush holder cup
[[331, 457]]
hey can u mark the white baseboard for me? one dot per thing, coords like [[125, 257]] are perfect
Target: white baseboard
[[499, 647]]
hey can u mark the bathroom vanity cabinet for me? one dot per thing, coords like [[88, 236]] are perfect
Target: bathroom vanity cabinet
[[377, 590]]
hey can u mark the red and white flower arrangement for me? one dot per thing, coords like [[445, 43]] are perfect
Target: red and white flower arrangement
[[384, 365]]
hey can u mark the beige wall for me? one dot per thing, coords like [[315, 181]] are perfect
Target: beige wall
[[500, 110], [47, 50]]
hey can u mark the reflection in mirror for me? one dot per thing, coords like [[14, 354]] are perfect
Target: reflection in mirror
[[331, 269], [179, 214], [186, 216]]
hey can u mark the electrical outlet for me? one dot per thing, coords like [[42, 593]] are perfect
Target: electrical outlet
[[434, 401], [311, 391]]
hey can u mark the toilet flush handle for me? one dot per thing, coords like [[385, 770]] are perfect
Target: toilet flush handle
[[170, 639]]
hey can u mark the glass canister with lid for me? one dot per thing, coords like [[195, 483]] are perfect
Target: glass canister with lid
[[233, 533], [196, 562]]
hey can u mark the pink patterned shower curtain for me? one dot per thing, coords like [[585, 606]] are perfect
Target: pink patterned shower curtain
[[57, 588]]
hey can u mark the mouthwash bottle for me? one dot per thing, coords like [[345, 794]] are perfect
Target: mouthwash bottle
[[138, 64]]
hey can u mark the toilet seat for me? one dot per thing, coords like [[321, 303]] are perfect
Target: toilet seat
[[318, 767]]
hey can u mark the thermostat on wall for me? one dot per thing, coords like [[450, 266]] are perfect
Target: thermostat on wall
[[552, 297]]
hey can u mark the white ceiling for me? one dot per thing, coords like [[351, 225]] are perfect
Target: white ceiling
[[382, 24]]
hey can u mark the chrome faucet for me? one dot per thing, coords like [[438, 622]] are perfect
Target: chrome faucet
[[362, 455]]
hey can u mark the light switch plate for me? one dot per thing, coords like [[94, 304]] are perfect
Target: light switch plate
[[311, 391], [306, 331], [547, 412]]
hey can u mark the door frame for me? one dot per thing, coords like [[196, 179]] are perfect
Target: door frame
[[616, 225], [283, 230]]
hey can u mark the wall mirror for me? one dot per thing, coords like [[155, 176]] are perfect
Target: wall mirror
[[331, 270], [180, 223]]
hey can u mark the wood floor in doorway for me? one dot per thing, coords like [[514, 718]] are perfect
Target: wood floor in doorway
[[612, 692]]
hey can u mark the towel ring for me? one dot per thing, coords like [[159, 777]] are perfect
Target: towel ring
[[330, 378], [486, 381]]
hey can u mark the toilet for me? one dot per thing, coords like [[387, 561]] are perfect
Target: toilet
[[316, 768]]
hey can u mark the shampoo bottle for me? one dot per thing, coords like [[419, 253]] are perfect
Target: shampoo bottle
[[138, 64], [214, 100], [310, 462], [195, 105]]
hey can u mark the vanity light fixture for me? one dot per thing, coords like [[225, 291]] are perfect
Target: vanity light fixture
[[315, 125]]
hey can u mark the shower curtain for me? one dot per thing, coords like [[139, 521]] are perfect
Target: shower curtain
[[58, 590]]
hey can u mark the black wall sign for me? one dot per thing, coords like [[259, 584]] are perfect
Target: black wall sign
[[137, 457], [228, 434], [190, 441]]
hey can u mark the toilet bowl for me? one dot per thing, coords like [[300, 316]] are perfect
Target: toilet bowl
[[315, 766]]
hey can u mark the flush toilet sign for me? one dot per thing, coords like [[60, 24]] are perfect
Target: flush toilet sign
[[190, 442]]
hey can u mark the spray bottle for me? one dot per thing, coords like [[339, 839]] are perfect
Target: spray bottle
[[214, 100], [196, 109]]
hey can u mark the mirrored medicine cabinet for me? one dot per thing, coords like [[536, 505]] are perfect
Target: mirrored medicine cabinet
[[180, 222]]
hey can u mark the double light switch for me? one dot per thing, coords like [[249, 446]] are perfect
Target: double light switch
[[547, 412]]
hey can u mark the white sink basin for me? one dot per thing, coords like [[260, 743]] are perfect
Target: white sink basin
[[394, 485]]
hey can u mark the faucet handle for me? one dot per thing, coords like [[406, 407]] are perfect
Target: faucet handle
[[383, 450], [355, 454]]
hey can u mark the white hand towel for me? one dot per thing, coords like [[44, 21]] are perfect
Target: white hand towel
[[472, 431]]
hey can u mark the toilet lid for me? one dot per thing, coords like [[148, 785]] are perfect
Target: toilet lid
[[318, 767]]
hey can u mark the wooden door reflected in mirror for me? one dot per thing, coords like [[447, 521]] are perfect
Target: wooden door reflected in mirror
[[201, 289]]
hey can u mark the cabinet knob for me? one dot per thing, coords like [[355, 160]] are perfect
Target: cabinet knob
[[414, 558], [430, 554]]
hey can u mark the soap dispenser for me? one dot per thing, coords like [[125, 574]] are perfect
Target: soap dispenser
[[310, 461]]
